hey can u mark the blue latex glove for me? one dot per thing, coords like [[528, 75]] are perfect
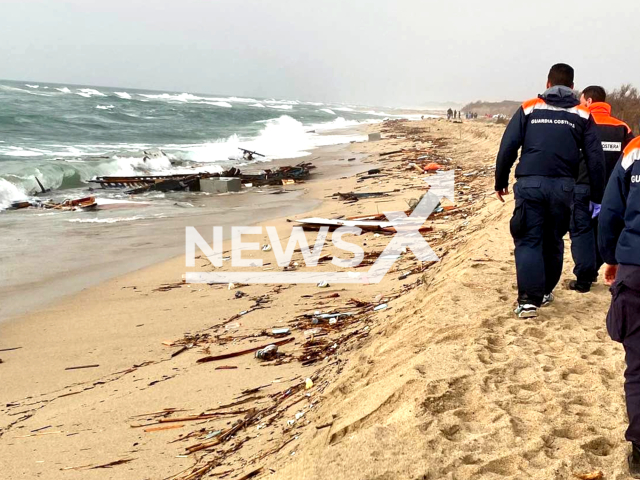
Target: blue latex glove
[[595, 209]]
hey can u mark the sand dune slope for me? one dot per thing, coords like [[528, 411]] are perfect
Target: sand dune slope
[[454, 386]]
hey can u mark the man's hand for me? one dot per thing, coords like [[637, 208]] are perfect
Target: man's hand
[[610, 272], [501, 193]]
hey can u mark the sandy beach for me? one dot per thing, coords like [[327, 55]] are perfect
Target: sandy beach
[[426, 375]]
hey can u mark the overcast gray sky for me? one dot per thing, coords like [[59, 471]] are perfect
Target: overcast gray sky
[[400, 52]]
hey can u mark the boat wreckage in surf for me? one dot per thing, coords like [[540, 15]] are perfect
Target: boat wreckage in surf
[[191, 182], [86, 203]]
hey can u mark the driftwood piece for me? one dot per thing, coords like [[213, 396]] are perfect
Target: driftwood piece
[[224, 356], [82, 366]]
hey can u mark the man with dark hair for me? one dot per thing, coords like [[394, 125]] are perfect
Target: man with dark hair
[[561, 74], [593, 94], [552, 130], [619, 241], [615, 135]]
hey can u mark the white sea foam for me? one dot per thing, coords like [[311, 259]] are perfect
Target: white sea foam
[[217, 104], [240, 99], [122, 166], [28, 91], [89, 92], [178, 97], [258, 105], [18, 184], [106, 220], [104, 107], [281, 102], [63, 90], [21, 152], [344, 109], [10, 192], [31, 86], [124, 95], [327, 110], [281, 107], [282, 137]]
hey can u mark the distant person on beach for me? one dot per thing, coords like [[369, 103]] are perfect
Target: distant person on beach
[[615, 135], [449, 113], [552, 130], [619, 242]]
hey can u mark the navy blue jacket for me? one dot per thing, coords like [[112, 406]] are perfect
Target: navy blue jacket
[[552, 130], [619, 232]]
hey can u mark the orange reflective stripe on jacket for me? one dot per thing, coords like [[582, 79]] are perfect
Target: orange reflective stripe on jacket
[[601, 112]]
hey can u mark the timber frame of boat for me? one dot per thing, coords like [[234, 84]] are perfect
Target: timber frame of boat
[[139, 180], [191, 182], [86, 203]]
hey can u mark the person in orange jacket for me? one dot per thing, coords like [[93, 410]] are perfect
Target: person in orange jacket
[[614, 135]]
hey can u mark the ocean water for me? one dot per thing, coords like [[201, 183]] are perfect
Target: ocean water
[[66, 135]]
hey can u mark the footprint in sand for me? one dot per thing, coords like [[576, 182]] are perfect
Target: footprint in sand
[[601, 446]]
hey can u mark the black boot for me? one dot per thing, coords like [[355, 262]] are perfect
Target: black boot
[[634, 461], [582, 287]]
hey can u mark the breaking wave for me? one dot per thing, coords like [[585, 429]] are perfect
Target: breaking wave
[[282, 137], [10, 192], [281, 107], [217, 104], [77, 133], [22, 183], [178, 97], [89, 92]]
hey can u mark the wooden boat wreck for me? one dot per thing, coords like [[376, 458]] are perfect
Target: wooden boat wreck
[[86, 203], [191, 182]]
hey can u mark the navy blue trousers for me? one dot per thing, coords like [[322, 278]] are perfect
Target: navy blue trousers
[[623, 324], [540, 219], [584, 237]]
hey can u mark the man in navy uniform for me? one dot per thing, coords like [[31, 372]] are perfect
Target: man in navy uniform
[[619, 242], [552, 130]]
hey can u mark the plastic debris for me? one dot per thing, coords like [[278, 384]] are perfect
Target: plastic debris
[[281, 331], [312, 332], [323, 284], [267, 353]]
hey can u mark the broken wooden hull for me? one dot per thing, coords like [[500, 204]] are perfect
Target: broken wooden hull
[[144, 183]]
